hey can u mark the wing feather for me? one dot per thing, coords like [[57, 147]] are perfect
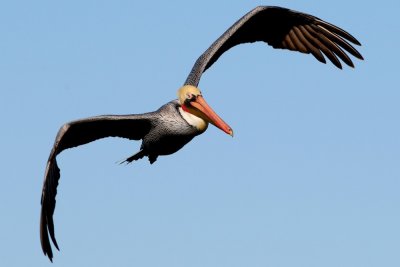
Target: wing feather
[[281, 28], [296, 40], [77, 133], [308, 39], [290, 44], [314, 37], [338, 40], [332, 46]]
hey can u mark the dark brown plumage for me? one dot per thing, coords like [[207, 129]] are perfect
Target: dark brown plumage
[[168, 129], [281, 28]]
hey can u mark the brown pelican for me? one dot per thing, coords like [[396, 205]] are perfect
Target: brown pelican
[[168, 129]]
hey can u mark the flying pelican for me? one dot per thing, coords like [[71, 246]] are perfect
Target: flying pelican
[[168, 129]]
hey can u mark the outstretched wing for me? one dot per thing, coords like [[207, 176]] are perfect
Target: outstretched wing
[[285, 29], [77, 133]]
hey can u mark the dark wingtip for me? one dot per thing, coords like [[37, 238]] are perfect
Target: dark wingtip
[[356, 42], [323, 61], [49, 192], [357, 54], [50, 226], [337, 63], [44, 238], [55, 243], [339, 31]]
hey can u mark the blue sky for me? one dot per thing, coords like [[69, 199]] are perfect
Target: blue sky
[[311, 177]]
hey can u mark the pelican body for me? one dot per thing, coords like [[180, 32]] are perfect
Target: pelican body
[[165, 131]]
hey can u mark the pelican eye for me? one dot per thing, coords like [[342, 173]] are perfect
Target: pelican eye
[[190, 98]]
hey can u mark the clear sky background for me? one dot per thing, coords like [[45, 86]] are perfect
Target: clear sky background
[[311, 178]]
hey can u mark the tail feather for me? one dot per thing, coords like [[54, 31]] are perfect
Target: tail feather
[[137, 156]]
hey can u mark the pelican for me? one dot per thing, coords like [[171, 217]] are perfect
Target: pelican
[[165, 131]]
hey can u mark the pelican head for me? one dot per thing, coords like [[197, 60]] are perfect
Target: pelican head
[[192, 102]]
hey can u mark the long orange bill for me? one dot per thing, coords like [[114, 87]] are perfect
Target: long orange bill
[[208, 114]]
